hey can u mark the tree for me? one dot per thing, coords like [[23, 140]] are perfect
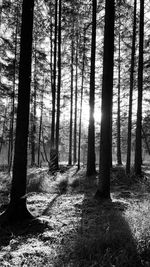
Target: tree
[[91, 129], [58, 87], [103, 191], [17, 209], [128, 163], [119, 160], [138, 142]]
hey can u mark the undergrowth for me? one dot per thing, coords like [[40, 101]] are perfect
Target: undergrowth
[[79, 231]]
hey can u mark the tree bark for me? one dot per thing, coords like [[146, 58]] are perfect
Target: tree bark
[[138, 143], [119, 160], [91, 169], [71, 103], [103, 191], [128, 163], [17, 209], [81, 99], [58, 89]]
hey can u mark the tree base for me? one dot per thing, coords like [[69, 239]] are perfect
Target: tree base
[[15, 213], [102, 196]]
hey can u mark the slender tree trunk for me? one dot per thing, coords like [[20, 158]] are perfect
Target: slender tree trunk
[[17, 208], [128, 163], [81, 100], [75, 106], [54, 88], [58, 88], [33, 121], [3, 128], [11, 131], [119, 160], [91, 129], [103, 191], [138, 143], [40, 125], [146, 141], [71, 104]]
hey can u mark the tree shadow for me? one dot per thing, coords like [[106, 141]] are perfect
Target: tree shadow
[[103, 237], [22, 228]]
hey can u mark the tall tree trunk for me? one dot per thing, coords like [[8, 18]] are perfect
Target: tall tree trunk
[[128, 163], [58, 88], [3, 128], [33, 121], [103, 191], [40, 125], [81, 99], [119, 160], [138, 143], [11, 131], [71, 103], [17, 209], [91, 129], [54, 88], [75, 106]]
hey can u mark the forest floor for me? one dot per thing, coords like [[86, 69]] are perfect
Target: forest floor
[[73, 229]]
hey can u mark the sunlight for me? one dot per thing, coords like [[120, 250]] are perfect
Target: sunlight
[[85, 114]]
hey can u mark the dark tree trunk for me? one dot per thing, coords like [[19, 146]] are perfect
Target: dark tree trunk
[[40, 125], [33, 121], [103, 191], [58, 89], [11, 131], [91, 129], [119, 160], [71, 103], [128, 163], [53, 126], [138, 143], [81, 99], [17, 209], [75, 106]]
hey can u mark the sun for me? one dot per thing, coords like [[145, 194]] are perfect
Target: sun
[[85, 114]]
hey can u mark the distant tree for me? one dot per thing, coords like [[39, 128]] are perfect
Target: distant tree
[[76, 101], [81, 98], [103, 191], [58, 88], [17, 209], [138, 142], [91, 169], [53, 126], [119, 160], [128, 163], [71, 101]]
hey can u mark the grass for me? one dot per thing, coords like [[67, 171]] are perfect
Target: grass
[[75, 229]]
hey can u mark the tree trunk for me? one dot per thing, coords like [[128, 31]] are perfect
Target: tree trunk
[[81, 99], [128, 163], [17, 209], [11, 131], [53, 149], [71, 103], [33, 121], [119, 160], [138, 143], [41, 121], [75, 106], [103, 191], [58, 89], [91, 129]]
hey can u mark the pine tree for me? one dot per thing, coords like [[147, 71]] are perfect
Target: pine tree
[[91, 169], [107, 93], [17, 209]]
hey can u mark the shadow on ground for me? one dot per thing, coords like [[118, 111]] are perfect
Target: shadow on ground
[[103, 237]]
